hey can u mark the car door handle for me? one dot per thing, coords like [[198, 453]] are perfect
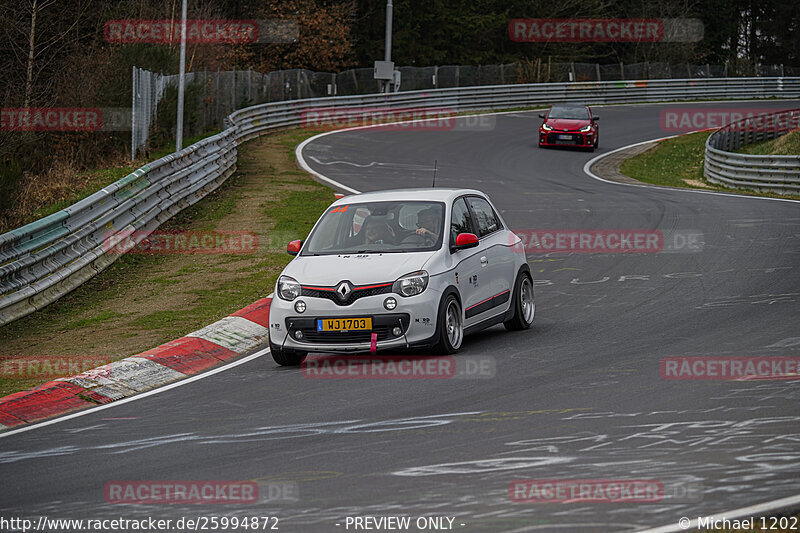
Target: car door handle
[[484, 261]]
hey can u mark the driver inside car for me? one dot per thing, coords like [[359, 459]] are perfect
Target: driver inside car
[[428, 225]]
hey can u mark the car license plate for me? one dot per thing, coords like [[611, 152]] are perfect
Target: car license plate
[[565, 137], [344, 324]]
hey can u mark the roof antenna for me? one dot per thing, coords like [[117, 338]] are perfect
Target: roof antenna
[[435, 162]]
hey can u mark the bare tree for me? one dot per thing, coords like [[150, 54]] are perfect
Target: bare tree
[[38, 32]]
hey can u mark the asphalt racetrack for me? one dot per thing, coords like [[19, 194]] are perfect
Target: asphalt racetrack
[[579, 396]]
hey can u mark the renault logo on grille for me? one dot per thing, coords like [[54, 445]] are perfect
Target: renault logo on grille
[[343, 290]]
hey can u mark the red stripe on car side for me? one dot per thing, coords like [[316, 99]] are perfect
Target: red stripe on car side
[[487, 299]]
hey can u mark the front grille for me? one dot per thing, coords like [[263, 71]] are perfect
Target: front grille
[[575, 138], [346, 337], [329, 293], [381, 324]]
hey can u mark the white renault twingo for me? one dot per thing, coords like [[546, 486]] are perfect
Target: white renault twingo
[[400, 268]]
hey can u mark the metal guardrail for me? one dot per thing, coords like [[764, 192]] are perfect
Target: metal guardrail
[[44, 260], [223, 92], [48, 258], [777, 173]]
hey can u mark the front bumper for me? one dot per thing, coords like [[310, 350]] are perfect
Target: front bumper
[[575, 138], [415, 315]]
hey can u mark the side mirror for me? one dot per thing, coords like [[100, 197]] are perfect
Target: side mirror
[[465, 240], [293, 248], [541, 115], [595, 118]]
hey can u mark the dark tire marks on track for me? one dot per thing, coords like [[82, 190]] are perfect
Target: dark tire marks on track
[[579, 395]]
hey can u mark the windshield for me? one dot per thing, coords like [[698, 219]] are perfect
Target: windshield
[[378, 227], [574, 113]]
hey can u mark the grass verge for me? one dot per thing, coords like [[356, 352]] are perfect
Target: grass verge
[[144, 300], [678, 162], [788, 144]]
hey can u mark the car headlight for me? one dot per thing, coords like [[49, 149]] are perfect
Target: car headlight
[[586, 128], [411, 284], [546, 127], [288, 288]]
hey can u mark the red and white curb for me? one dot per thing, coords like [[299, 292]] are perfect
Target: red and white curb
[[234, 335]]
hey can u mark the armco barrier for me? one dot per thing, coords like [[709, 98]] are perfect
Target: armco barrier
[[779, 173], [46, 259]]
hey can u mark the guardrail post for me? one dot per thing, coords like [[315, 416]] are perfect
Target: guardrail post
[[133, 113], [233, 90]]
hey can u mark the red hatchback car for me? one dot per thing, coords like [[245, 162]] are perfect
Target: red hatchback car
[[569, 125]]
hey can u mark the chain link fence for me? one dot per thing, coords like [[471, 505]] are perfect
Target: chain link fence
[[213, 95]]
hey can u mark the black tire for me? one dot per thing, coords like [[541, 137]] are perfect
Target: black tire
[[524, 306], [286, 357], [596, 140], [449, 341]]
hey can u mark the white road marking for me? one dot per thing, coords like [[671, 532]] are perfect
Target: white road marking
[[483, 465], [259, 434], [371, 164], [305, 166], [138, 396], [87, 428], [762, 508], [786, 343], [587, 170]]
